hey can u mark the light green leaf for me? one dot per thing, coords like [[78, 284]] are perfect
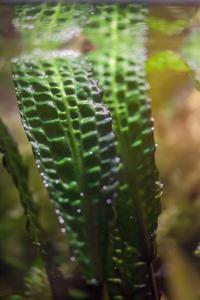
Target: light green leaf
[[169, 27], [191, 53], [166, 60]]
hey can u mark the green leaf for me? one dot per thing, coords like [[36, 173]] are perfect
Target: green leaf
[[15, 166], [47, 26], [71, 134], [169, 27], [120, 69], [191, 53], [37, 285], [60, 115], [118, 34], [166, 60]]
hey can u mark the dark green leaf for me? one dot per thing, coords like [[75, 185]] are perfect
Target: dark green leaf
[[118, 33], [15, 166], [71, 135], [60, 106]]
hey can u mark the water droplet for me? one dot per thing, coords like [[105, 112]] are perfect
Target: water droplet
[[109, 201], [63, 230], [36, 243], [57, 211], [78, 210], [131, 217], [93, 281], [104, 188], [37, 161], [61, 220], [117, 160], [81, 194]]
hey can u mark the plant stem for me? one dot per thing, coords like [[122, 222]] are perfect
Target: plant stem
[[152, 282]]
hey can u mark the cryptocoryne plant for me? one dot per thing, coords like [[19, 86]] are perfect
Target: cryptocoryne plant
[[86, 112]]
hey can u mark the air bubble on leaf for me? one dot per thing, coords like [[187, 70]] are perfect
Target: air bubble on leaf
[[36, 243], [93, 281], [61, 220], [72, 258], [29, 89], [46, 183], [109, 201], [117, 160]]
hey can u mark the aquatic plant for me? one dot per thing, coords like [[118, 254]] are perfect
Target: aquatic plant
[[15, 166], [88, 118]]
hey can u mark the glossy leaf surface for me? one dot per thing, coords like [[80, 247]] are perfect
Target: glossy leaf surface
[[71, 135], [61, 106], [118, 33]]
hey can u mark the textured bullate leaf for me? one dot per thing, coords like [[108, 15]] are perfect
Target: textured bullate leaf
[[118, 34], [49, 26], [71, 134], [13, 162], [60, 111]]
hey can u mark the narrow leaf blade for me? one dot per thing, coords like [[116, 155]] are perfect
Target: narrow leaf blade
[[19, 172]]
